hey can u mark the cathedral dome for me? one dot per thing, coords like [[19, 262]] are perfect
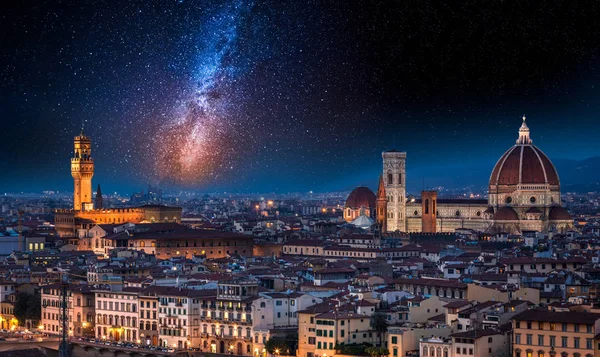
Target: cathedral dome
[[523, 164], [506, 214], [559, 214], [361, 196]]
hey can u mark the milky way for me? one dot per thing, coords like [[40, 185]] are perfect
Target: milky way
[[192, 145], [288, 95]]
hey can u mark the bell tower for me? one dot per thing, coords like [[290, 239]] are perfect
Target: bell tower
[[82, 170], [381, 206], [394, 178]]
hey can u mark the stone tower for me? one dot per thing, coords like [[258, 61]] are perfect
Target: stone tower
[[381, 206], [394, 176], [429, 211], [82, 170]]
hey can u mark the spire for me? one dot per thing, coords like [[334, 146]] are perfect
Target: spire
[[381, 188], [99, 199], [524, 138]]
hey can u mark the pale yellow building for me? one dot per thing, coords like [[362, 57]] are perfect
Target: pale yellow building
[[544, 333]]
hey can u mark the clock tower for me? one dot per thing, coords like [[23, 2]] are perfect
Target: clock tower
[[82, 170], [394, 178]]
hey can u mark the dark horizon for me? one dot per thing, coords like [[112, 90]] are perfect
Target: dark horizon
[[277, 97]]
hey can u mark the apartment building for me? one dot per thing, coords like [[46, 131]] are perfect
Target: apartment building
[[117, 314], [148, 300], [278, 310], [178, 312], [541, 333], [225, 320], [319, 332], [80, 309]]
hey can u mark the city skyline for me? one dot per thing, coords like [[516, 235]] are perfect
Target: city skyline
[[240, 97]]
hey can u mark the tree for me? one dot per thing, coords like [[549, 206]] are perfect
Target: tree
[[22, 304], [379, 324], [28, 306], [282, 346], [377, 351]]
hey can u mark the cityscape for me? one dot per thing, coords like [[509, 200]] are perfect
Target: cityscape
[[277, 179]]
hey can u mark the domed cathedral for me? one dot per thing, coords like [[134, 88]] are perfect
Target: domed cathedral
[[360, 202], [524, 190], [524, 195]]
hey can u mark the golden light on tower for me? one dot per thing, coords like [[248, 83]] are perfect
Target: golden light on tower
[[82, 171]]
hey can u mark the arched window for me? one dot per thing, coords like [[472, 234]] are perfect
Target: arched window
[[425, 350], [390, 178], [427, 206], [399, 179]]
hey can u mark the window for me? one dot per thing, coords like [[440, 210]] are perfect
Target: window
[[552, 341], [518, 338], [564, 342], [564, 327], [540, 340], [576, 327], [552, 326], [518, 324], [576, 342], [395, 352], [529, 325], [530, 340], [394, 339], [588, 343], [311, 340], [278, 303], [541, 325], [319, 345]]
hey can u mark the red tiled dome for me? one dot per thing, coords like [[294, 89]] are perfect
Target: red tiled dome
[[559, 214], [524, 164], [361, 197], [506, 214]]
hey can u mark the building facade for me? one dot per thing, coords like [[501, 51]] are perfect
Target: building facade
[[523, 195]]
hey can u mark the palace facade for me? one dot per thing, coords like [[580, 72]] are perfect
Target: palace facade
[[72, 223]]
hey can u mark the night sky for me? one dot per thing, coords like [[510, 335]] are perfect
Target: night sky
[[290, 95]]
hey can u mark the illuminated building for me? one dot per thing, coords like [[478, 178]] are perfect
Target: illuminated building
[[72, 223], [524, 195]]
